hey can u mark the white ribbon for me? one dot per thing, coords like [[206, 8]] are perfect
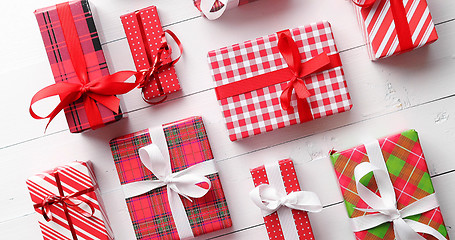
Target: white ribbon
[[183, 183], [386, 205], [207, 5], [272, 197]]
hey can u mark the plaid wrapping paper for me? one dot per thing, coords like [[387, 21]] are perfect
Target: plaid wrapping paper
[[260, 111], [409, 175], [150, 213], [144, 34], [61, 65], [76, 176], [379, 29], [291, 184], [218, 5]]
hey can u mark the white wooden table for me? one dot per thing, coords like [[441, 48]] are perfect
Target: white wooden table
[[414, 90]]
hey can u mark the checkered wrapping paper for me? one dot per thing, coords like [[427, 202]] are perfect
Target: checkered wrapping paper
[[291, 184], [260, 111], [144, 34], [74, 177], [379, 29], [61, 65], [218, 5], [409, 175], [150, 213]]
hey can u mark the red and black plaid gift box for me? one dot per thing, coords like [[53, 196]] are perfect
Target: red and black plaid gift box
[[218, 5], [150, 213], [251, 76], [145, 37], [60, 61], [60, 194]]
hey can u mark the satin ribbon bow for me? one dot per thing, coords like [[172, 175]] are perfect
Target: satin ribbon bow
[[269, 200], [207, 5], [71, 201], [290, 52], [385, 205]]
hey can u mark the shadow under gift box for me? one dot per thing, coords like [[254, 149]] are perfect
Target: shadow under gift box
[[251, 76], [408, 173], [150, 213], [65, 181], [60, 61]]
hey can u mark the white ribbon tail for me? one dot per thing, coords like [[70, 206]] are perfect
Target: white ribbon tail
[[207, 5], [423, 228]]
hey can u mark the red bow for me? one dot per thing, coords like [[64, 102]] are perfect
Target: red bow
[[290, 52], [399, 17]]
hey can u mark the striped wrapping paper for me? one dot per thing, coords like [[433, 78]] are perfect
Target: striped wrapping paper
[[74, 177], [144, 34], [218, 5], [409, 175], [291, 184], [260, 111], [379, 30], [150, 213], [61, 65]]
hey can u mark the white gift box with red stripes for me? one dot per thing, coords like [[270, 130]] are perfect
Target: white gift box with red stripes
[[73, 205], [259, 110], [386, 32]]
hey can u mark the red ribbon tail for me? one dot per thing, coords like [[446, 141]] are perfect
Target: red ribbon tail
[[301, 90], [93, 114], [111, 102], [285, 98]]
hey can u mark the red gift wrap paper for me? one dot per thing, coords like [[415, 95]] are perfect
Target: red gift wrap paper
[[291, 184], [61, 65], [73, 178]]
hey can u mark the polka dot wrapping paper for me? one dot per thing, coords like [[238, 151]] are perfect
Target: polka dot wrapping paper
[[252, 63], [145, 36], [150, 212], [289, 184], [408, 173]]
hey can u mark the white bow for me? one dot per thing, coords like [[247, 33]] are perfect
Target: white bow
[[190, 183], [386, 204], [207, 5], [269, 200]]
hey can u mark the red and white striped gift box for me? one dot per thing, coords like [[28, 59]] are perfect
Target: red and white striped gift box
[[259, 111], [68, 223], [391, 27]]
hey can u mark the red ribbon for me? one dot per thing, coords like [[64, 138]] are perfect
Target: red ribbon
[[71, 201], [156, 63], [294, 74], [401, 22]]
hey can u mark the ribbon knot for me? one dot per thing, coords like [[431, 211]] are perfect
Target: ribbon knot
[[84, 89]]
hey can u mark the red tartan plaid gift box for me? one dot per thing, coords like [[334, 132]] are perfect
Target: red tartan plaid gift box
[[392, 27], [147, 43], [256, 80], [69, 201], [388, 191], [282, 202], [157, 165], [213, 9], [79, 30]]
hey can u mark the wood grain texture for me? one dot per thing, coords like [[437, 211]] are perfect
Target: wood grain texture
[[413, 90]]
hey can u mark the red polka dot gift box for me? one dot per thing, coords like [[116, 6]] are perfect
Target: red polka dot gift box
[[283, 205], [286, 78], [169, 178], [150, 50]]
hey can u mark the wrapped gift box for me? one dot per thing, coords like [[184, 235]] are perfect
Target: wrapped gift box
[[60, 61], [251, 76], [287, 183], [392, 27], [218, 5], [76, 182], [145, 36], [408, 173], [150, 213]]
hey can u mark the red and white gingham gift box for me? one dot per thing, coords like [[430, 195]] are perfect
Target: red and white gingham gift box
[[145, 35], [381, 20], [259, 111], [67, 220]]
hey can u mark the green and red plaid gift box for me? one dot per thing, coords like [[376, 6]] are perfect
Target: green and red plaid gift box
[[408, 173], [150, 213]]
